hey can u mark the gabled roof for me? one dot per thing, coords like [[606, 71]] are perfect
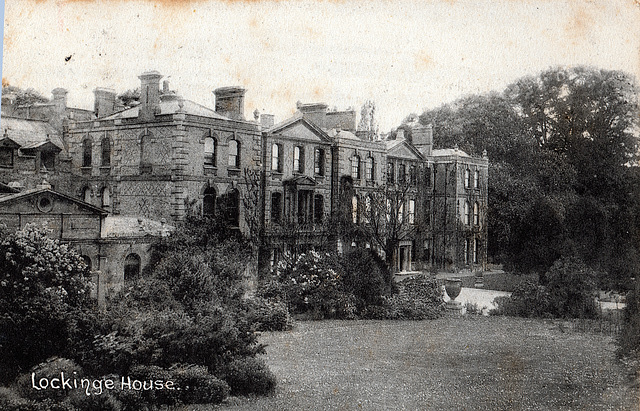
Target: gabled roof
[[402, 148], [4, 199], [170, 106], [27, 133], [296, 125]]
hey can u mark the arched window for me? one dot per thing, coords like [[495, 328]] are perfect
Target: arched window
[[476, 179], [86, 153], [476, 214], [105, 146], [355, 167], [467, 177], [86, 195], [234, 153], [210, 152], [131, 267], [209, 202], [369, 169], [105, 197]]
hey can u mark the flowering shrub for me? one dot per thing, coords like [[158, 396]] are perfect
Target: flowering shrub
[[313, 285], [44, 288]]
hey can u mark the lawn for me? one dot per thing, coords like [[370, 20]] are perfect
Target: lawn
[[473, 363]]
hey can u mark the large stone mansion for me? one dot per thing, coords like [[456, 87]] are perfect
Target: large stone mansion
[[133, 172]]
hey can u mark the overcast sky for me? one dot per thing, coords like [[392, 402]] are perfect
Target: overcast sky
[[404, 55]]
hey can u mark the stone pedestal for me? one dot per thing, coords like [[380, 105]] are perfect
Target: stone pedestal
[[454, 308]]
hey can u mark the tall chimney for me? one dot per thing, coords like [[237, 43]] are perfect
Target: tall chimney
[[315, 113], [423, 138], [267, 121], [149, 94], [60, 99], [230, 102], [104, 101]]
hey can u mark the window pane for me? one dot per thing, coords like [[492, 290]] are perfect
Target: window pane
[[233, 154]]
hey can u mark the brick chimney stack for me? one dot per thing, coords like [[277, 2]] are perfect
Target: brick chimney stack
[[149, 94], [423, 138], [104, 101], [315, 113], [230, 102]]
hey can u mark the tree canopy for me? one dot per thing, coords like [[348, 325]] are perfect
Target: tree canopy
[[563, 177]]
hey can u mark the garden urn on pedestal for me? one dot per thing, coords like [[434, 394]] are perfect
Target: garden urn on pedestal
[[453, 286]]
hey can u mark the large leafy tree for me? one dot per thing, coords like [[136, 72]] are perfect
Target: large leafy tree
[[563, 178]]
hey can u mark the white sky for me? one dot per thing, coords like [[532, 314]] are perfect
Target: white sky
[[405, 55]]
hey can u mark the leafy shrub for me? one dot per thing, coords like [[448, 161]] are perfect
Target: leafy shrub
[[107, 401], [197, 386], [418, 298], [250, 376], [267, 315], [366, 277], [568, 293], [48, 369], [44, 293], [571, 285], [10, 400], [528, 300]]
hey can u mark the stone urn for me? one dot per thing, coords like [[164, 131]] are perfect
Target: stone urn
[[453, 286]]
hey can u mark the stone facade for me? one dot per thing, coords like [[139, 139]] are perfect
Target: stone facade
[[167, 157]]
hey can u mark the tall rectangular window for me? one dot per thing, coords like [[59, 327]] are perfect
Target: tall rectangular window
[[276, 157], [209, 152], [106, 151], [355, 167], [401, 174], [413, 174], [369, 171], [234, 154], [467, 177], [276, 207], [86, 153], [319, 159], [411, 213], [298, 159], [390, 173], [354, 209], [476, 179]]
